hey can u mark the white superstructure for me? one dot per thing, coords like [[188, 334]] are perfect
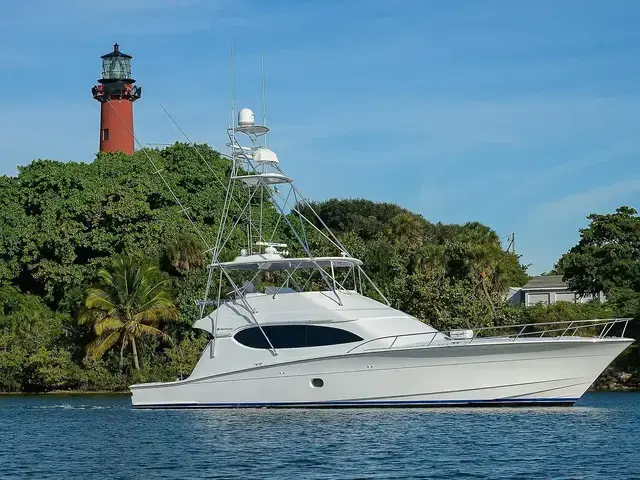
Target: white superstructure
[[302, 330]]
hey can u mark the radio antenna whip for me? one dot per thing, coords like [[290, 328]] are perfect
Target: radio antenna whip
[[264, 97]]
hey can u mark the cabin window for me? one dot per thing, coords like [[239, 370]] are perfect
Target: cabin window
[[295, 336]]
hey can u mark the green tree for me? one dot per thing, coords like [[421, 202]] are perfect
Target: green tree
[[33, 341], [129, 303], [607, 259]]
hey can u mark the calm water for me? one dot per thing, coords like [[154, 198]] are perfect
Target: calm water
[[102, 437]]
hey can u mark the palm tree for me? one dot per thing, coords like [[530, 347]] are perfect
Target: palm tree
[[128, 304], [185, 253]]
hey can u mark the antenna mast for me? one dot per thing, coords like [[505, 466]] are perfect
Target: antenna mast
[[233, 92], [264, 97]]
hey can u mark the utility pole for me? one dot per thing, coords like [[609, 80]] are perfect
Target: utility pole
[[511, 248]]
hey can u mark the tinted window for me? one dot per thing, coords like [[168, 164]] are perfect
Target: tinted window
[[319, 336], [295, 336]]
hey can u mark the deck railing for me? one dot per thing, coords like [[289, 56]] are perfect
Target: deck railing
[[600, 329], [430, 335]]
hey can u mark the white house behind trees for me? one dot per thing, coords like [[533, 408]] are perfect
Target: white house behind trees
[[547, 290]]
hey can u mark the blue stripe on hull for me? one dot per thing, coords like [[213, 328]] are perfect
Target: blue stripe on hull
[[507, 402]]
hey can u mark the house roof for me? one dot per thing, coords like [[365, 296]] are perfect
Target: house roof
[[545, 281]]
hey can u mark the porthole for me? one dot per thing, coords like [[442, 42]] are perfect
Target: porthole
[[317, 382]]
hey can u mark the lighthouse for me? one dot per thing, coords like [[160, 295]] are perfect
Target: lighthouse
[[116, 93]]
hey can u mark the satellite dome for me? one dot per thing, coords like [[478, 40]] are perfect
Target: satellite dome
[[264, 155], [246, 117]]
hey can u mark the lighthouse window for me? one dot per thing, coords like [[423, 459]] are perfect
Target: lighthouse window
[[117, 67], [295, 336], [105, 134]]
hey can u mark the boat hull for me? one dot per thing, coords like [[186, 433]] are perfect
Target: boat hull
[[553, 372]]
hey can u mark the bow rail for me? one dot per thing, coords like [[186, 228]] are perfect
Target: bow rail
[[568, 328], [603, 327]]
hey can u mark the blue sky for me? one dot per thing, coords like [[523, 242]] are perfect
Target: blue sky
[[521, 115]]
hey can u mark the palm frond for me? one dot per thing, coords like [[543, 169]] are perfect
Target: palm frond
[[156, 309], [101, 345], [94, 315], [106, 276], [160, 299], [140, 282], [98, 298], [157, 286], [152, 331], [153, 316], [89, 315], [107, 324]]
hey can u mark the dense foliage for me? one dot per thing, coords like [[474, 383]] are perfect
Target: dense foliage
[[63, 225], [607, 259], [61, 222], [447, 275]]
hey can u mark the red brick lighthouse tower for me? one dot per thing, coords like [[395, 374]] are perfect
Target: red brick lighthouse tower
[[116, 93]]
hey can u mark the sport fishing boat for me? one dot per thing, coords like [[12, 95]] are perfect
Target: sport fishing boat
[[311, 329]]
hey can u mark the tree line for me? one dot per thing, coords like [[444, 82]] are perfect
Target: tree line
[[99, 275]]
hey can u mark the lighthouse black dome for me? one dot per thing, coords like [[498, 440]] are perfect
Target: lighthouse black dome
[[116, 53]]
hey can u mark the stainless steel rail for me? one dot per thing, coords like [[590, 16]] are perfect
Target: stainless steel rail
[[603, 325], [433, 335], [568, 328]]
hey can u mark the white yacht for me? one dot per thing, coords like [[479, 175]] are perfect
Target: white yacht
[[311, 329]]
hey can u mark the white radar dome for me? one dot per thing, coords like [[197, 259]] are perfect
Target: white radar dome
[[264, 155], [246, 117]]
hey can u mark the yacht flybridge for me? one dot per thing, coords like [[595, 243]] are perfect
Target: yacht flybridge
[[300, 324]]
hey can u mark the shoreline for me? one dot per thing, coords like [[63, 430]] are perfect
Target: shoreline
[[616, 390]]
